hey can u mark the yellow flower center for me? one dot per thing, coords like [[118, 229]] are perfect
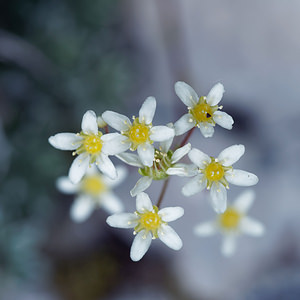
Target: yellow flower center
[[230, 219], [202, 112], [92, 144], [139, 133], [93, 185], [150, 221], [214, 171]]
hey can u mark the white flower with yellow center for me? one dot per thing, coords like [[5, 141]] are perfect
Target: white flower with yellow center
[[91, 146], [92, 192], [140, 134], [203, 112], [149, 223], [216, 173], [232, 223]]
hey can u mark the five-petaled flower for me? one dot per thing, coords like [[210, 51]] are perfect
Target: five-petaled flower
[[203, 112], [92, 192], [216, 173], [140, 134], [232, 223], [149, 223], [91, 146]]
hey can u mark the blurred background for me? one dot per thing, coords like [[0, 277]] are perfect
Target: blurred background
[[59, 58]]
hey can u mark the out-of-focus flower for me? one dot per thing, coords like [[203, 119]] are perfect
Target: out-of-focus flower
[[149, 223], [140, 134], [92, 146], [93, 191], [216, 173], [232, 223], [203, 112]]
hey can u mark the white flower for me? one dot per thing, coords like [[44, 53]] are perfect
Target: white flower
[[140, 134], [165, 163], [232, 223], [148, 223], [93, 191], [203, 112], [216, 173], [91, 146]]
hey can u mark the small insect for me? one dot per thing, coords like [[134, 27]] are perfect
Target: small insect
[[208, 115]]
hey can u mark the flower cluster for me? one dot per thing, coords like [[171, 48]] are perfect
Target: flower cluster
[[92, 173]]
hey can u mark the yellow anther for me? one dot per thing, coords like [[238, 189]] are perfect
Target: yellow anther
[[230, 219]]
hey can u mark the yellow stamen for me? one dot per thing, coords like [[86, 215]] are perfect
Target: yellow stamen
[[230, 219], [92, 144], [139, 134], [214, 171], [93, 185], [202, 112]]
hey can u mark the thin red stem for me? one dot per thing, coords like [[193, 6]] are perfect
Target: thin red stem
[[186, 138], [163, 191]]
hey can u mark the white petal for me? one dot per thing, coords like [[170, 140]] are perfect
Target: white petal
[[111, 203], [81, 209], [161, 133], [218, 197], [206, 129], [231, 155], [205, 229], [142, 184], [143, 203], [140, 245], [146, 154], [186, 94], [116, 121], [89, 123], [121, 175], [78, 168], [244, 201], [169, 214], [165, 145], [251, 227], [114, 143], [215, 95], [228, 245], [130, 159], [223, 119], [180, 152], [169, 237], [147, 110], [105, 165], [100, 122], [65, 141], [122, 220], [184, 124], [65, 185], [240, 177], [194, 186], [199, 158], [183, 170]]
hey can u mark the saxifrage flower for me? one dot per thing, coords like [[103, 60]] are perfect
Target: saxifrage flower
[[203, 112], [216, 173], [140, 134], [91, 146], [233, 223], [92, 192], [149, 223]]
